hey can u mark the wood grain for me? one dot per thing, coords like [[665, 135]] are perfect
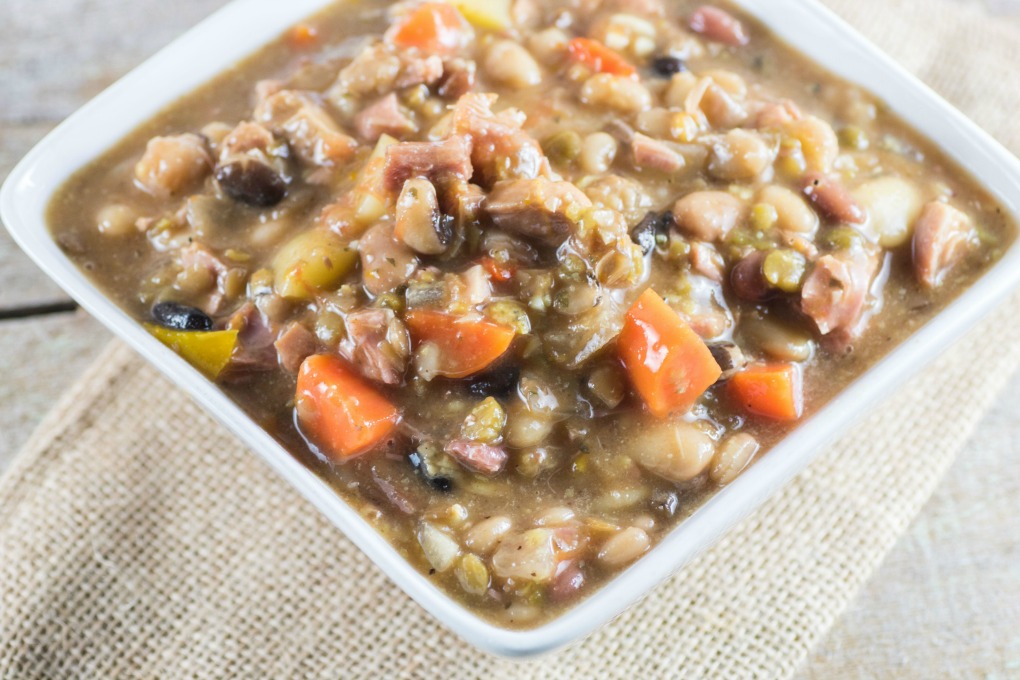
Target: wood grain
[[945, 604]]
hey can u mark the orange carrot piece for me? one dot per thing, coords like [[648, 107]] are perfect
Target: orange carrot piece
[[668, 363], [434, 28], [467, 345], [501, 272], [303, 35], [599, 58], [769, 390], [338, 411]]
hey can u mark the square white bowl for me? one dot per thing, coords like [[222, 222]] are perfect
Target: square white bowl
[[243, 26]]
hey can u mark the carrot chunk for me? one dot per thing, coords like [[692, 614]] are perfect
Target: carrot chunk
[[668, 363], [769, 390], [466, 345], [599, 58], [434, 28], [340, 412], [499, 271]]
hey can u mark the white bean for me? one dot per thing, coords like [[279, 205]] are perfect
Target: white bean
[[616, 92], [483, 537], [117, 220], [598, 151], [625, 547], [792, 211], [675, 450], [740, 155], [510, 64], [735, 454]]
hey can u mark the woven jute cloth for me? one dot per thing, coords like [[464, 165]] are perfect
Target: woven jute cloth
[[138, 539]]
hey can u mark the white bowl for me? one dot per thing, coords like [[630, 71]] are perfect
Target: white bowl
[[244, 25]]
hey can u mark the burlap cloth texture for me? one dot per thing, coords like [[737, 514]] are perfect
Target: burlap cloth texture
[[138, 539]]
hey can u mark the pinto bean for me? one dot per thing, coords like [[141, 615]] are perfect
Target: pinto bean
[[833, 200], [718, 25], [748, 280], [708, 215]]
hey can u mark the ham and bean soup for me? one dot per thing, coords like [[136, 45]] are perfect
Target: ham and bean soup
[[527, 281]]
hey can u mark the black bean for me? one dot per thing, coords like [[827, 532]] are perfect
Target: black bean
[[645, 231], [181, 317], [499, 382], [668, 65], [252, 182], [429, 471]]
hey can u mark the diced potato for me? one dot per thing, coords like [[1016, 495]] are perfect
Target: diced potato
[[312, 262], [893, 205], [440, 549], [488, 15]]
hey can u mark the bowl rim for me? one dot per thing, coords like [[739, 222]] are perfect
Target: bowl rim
[[209, 48]]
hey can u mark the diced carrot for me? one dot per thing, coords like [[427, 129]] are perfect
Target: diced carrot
[[434, 28], [501, 272], [599, 58], [466, 345], [303, 35], [668, 363], [769, 390], [338, 411]]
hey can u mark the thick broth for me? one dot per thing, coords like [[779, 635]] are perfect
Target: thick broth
[[588, 464]]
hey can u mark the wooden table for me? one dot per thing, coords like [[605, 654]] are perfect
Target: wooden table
[[945, 604]]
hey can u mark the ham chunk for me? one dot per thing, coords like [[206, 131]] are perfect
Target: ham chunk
[[378, 344], [655, 155], [197, 256], [537, 208], [382, 68], [501, 149], [483, 458], [294, 346], [312, 134], [437, 161], [171, 165], [835, 294], [384, 117], [255, 351], [942, 236]]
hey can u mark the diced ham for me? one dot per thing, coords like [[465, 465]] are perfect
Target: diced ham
[[244, 138], [835, 293], [776, 115], [707, 261], [171, 165], [382, 68], [378, 344], [718, 25], [255, 351], [833, 200], [483, 458], [437, 161], [392, 493], [537, 208], [384, 117], [311, 132], [419, 71], [942, 235], [500, 149], [296, 344], [196, 255], [458, 78], [655, 155]]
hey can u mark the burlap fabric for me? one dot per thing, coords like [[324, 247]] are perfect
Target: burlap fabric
[[139, 540]]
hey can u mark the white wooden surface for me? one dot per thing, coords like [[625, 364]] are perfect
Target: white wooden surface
[[946, 603]]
